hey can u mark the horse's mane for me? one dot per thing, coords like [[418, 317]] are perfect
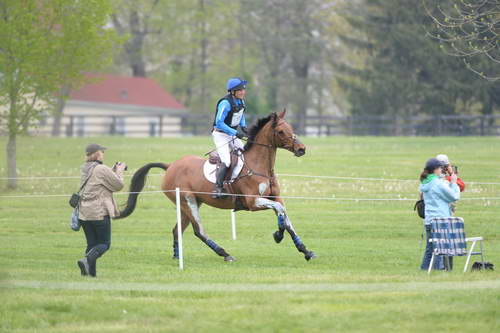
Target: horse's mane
[[255, 129]]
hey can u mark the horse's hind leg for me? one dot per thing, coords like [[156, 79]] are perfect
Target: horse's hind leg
[[284, 223], [184, 223], [192, 209]]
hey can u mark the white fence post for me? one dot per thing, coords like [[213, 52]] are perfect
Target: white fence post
[[179, 226], [233, 224]]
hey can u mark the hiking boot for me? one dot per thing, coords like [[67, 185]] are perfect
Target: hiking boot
[[84, 266], [91, 260]]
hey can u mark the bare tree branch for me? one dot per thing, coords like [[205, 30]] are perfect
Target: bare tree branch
[[467, 29]]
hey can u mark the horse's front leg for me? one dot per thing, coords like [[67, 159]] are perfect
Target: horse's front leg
[[284, 223]]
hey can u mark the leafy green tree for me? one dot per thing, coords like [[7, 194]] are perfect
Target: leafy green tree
[[46, 45]]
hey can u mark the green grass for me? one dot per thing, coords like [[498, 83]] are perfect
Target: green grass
[[366, 276]]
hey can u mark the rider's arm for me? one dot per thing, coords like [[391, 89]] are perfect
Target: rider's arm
[[222, 111]]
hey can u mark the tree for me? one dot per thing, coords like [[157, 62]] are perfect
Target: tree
[[45, 45], [193, 46], [470, 30], [289, 35], [137, 19], [405, 73]]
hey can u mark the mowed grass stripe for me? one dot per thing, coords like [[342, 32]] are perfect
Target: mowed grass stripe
[[255, 287]]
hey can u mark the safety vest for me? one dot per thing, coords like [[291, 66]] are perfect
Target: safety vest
[[234, 116]]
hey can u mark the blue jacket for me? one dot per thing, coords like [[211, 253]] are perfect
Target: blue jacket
[[438, 194], [222, 113]]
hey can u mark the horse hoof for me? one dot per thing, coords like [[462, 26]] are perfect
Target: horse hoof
[[229, 259], [310, 255], [278, 236]]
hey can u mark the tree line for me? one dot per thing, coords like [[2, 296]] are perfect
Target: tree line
[[314, 57]]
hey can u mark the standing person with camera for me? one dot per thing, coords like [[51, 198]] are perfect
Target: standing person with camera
[[97, 205], [438, 194], [449, 170]]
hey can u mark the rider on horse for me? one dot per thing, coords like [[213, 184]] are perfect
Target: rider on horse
[[229, 115]]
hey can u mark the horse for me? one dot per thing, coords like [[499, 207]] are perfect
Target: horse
[[255, 188]]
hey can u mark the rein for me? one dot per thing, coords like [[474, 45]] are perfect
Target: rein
[[250, 172]]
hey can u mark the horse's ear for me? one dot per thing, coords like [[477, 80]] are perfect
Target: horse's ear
[[274, 119], [282, 114]]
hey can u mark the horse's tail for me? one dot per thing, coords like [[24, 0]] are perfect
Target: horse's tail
[[136, 186]]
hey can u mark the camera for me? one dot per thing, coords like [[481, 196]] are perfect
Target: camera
[[446, 170], [117, 163]]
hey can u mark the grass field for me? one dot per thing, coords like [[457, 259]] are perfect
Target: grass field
[[366, 276]]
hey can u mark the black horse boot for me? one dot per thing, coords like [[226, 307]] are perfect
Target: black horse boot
[[219, 181]]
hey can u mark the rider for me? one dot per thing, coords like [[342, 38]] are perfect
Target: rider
[[229, 115]]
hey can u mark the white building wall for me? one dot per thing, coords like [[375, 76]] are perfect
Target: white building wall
[[98, 121]]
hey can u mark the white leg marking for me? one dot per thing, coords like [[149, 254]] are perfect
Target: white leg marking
[[278, 208], [193, 206], [262, 188], [288, 223]]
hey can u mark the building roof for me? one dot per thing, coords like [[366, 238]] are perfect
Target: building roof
[[136, 91]]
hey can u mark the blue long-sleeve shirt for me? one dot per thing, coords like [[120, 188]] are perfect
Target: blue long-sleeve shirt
[[222, 112]]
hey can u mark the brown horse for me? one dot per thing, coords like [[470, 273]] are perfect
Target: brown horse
[[256, 187]]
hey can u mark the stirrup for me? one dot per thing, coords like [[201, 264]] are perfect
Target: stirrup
[[218, 193]]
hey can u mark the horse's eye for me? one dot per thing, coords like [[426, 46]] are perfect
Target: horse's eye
[[281, 132]]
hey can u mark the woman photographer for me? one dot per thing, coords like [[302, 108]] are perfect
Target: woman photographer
[[97, 205], [437, 194]]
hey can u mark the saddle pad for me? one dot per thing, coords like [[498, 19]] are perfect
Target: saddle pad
[[209, 170]]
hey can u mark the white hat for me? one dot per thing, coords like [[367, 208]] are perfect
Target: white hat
[[443, 159]]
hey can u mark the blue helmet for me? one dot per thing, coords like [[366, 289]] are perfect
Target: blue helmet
[[235, 83]]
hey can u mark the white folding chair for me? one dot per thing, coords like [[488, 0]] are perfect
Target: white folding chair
[[474, 240]]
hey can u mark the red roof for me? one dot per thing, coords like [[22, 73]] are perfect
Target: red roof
[[126, 90]]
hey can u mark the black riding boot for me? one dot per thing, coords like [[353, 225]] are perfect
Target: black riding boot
[[219, 181]]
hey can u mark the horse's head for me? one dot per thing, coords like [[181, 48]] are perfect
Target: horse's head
[[284, 137]]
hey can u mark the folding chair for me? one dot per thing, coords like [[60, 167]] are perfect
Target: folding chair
[[474, 240], [447, 237]]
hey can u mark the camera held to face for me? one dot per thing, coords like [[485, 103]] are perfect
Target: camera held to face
[[449, 170], [120, 163]]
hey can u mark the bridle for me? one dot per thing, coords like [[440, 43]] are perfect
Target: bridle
[[274, 145], [250, 172]]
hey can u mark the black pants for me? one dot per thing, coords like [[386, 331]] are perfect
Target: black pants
[[98, 235]]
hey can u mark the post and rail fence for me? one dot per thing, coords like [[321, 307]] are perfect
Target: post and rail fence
[[191, 124]]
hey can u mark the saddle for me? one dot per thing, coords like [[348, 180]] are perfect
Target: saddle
[[210, 170], [213, 158]]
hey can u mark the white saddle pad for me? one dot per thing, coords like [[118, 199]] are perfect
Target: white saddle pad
[[209, 170]]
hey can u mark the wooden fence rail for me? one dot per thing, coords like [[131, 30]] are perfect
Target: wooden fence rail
[[192, 124]]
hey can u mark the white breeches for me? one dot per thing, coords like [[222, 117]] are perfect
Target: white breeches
[[224, 148]]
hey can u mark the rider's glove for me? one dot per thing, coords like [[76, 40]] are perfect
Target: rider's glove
[[241, 135]]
